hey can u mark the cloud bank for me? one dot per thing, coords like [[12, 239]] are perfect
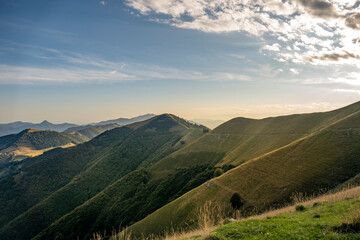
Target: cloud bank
[[305, 31]]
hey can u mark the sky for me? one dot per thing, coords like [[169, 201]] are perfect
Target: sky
[[88, 60]]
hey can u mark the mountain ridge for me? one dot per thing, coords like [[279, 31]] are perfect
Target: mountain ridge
[[330, 159], [141, 144]]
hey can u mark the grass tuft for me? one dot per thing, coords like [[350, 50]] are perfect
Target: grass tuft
[[351, 222]]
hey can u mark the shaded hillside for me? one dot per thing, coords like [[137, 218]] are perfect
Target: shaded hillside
[[91, 131], [98, 163], [16, 127], [126, 121], [32, 142], [321, 160]]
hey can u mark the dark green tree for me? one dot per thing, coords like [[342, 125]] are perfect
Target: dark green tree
[[218, 172], [236, 201]]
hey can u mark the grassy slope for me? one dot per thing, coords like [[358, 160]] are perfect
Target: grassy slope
[[241, 139], [118, 206], [143, 146], [321, 160], [49, 172], [16, 147], [91, 131], [316, 222]]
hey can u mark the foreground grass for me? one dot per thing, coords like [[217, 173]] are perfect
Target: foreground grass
[[330, 216], [321, 221]]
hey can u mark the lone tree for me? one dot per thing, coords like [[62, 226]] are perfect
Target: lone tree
[[236, 201], [218, 172]]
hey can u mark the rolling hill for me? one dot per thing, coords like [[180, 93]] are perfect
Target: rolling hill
[[32, 142], [236, 142], [326, 156], [153, 175], [61, 180]]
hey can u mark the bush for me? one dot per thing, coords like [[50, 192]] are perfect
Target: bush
[[300, 208], [236, 201], [218, 172]]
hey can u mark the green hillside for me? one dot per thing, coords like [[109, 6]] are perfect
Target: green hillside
[[327, 220], [91, 131], [152, 174], [32, 142], [94, 165], [321, 160], [184, 170], [242, 139]]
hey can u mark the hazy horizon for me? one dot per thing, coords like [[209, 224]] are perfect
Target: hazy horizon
[[213, 122]]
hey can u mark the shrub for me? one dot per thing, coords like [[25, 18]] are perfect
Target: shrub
[[218, 172], [236, 201], [300, 208]]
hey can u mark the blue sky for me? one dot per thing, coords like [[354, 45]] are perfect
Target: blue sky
[[86, 61]]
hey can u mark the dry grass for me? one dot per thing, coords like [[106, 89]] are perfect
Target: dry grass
[[210, 215], [122, 235], [350, 222], [29, 152], [348, 193]]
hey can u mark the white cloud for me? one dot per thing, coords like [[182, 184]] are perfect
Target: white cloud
[[353, 91], [103, 3], [319, 26], [352, 78], [275, 47], [294, 71]]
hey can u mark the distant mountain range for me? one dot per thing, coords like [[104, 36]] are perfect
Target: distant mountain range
[[155, 174], [126, 121], [16, 127]]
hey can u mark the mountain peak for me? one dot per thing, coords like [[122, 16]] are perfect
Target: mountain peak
[[171, 121], [31, 130], [45, 122]]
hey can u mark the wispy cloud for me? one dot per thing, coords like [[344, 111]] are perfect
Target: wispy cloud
[[73, 67], [353, 91]]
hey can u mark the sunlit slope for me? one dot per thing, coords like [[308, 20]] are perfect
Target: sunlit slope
[[32, 142], [318, 161], [242, 139], [143, 144]]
